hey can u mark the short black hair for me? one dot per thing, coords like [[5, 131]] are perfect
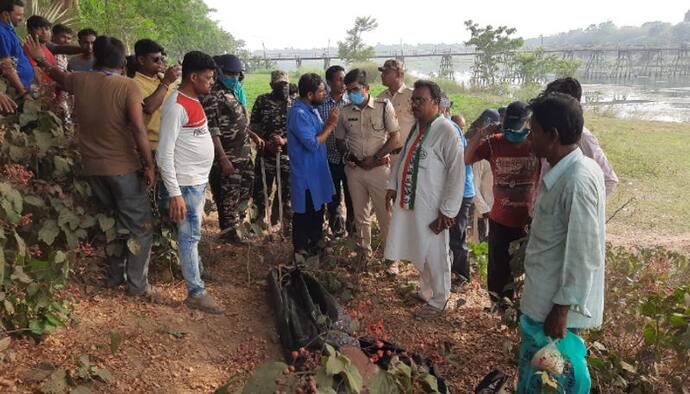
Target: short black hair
[[561, 112], [146, 46], [309, 83], [8, 5], [36, 22], [197, 61], [86, 32], [434, 89], [61, 29], [132, 66], [357, 75], [332, 70], [109, 52], [293, 89], [569, 86]]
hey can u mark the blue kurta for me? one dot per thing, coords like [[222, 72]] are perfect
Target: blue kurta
[[11, 47], [308, 158]]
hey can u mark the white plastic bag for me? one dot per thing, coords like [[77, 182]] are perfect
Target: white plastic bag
[[549, 359]]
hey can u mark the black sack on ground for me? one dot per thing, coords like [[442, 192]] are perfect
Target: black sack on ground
[[306, 314]]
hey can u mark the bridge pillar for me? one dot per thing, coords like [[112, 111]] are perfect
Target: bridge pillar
[[446, 70], [326, 63], [298, 61]]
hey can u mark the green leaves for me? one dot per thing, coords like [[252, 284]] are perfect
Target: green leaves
[[263, 380], [48, 232]]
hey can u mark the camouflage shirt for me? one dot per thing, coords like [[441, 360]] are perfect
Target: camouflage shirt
[[227, 119], [270, 117]]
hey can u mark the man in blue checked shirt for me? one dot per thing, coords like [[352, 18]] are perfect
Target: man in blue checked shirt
[[20, 76], [336, 97], [311, 184]]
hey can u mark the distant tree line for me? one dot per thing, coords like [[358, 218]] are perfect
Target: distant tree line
[[607, 34]]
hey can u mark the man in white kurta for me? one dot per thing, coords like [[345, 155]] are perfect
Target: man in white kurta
[[437, 190]]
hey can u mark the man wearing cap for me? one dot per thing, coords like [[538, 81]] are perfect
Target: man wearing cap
[[232, 175], [516, 174], [269, 122], [393, 77], [367, 133]]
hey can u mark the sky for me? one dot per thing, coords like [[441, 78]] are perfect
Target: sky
[[312, 23]]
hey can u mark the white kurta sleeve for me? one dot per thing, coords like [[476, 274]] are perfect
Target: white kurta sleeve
[[453, 157]]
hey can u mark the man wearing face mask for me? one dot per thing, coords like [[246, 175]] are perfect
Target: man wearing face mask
[[232, 175], [516, 174], [269, 122], [367, 132]]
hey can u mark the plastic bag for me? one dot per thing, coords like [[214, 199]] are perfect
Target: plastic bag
[[307, 315], [574, 378], [549, 359]]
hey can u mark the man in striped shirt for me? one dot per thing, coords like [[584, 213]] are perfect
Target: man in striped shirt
[[335, 78]]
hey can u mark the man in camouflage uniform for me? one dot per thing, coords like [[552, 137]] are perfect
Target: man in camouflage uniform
[[269, 122], [232, 174]]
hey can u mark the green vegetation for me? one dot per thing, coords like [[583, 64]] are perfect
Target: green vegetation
[[353, 48], [178, 25]]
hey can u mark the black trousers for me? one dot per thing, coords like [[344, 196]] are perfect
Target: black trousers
[[500, 277], [307, 228], [338, 222], [458, 236]]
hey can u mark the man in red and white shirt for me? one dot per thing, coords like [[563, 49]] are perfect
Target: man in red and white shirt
[[184, 156]]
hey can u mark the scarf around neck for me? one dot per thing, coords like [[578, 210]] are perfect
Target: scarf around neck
[[408, 189]]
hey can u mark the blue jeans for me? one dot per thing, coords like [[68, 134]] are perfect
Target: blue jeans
[[188, 236]]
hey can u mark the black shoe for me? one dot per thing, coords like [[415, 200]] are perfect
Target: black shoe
[[112, 283], [458, 284], [235, 238]]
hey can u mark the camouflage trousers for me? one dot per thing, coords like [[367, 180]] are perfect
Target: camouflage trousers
[[231, 193], [271, 184]]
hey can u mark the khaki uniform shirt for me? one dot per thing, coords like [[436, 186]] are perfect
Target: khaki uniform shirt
[[366, 130], [402, 102]]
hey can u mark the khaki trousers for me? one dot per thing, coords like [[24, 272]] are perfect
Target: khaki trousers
[[366, 186]]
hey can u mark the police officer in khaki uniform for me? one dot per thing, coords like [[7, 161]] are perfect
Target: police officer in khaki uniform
[[393, 77], [367, 132]]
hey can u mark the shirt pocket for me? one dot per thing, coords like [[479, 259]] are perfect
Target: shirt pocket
[[377, 124]]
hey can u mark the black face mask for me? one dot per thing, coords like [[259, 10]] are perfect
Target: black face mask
[[281, 92]]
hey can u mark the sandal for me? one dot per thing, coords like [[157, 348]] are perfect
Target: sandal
[[428, 311]]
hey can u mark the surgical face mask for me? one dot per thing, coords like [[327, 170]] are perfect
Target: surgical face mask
[[231, 81], [357, 98], [516, 136]]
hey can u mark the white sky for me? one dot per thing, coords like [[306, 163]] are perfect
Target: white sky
[[311, 23]]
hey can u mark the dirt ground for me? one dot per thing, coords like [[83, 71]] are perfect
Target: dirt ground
[[171, 349]]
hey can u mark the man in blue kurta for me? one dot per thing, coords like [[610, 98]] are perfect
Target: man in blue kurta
[[20, 76], [311, 182]]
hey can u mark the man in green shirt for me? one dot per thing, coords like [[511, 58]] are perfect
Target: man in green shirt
[[564, 261]]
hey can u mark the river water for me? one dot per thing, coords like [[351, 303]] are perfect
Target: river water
[[641, 99]]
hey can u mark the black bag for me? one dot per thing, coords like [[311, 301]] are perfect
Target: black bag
[[304, 310], [492, 383]]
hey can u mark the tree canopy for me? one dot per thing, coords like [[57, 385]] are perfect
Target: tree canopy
[[178, 25], [354, 49]]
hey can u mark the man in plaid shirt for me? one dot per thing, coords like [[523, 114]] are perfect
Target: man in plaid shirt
[[335, 78]]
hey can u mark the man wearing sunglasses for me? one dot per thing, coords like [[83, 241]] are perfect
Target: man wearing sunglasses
[[154, 82], [516, 172]]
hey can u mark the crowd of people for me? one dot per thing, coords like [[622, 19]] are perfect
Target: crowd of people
[[153, 137]]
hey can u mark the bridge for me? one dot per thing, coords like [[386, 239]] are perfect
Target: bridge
[[595, 63]]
